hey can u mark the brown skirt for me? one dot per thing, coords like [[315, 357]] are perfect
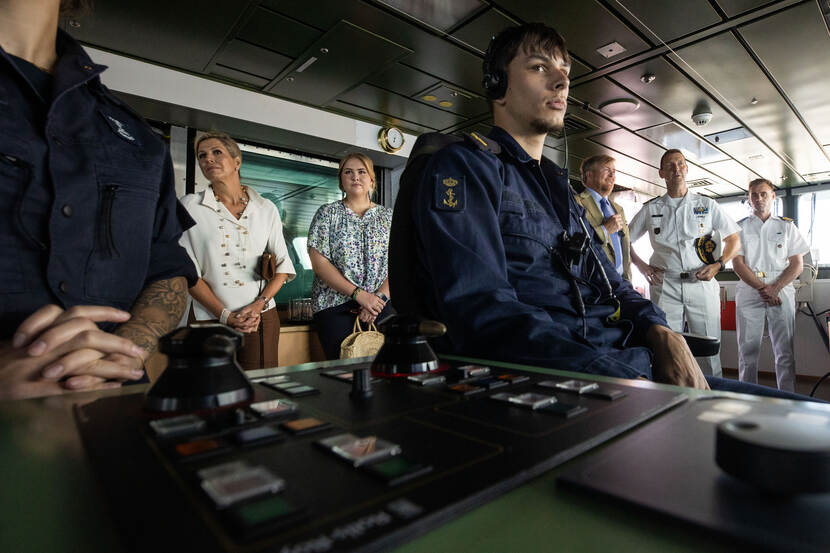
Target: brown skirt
[[259, 349]]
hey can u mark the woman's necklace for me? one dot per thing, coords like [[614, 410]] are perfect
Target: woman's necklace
[[243, 199]]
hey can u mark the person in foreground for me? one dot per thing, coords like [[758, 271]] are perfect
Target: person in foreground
[[499, 240], [91, 223], [348, 245], [234, 226]]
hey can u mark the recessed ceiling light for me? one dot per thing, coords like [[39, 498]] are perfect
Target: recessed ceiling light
[[648, 78], [611, 50], [445, 104], [429, 98], [619, 106]]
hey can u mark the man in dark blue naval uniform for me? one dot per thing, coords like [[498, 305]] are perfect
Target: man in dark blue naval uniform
[[499, 239], [90, 223]]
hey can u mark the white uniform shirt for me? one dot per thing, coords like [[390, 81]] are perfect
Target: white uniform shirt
[[226, 251], [767, 245], [673, 229]]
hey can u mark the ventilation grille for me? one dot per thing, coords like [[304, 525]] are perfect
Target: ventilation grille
[[700, 183], [574, 125]]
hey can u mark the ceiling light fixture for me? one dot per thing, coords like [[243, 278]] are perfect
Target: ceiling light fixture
[[753, 101], [648, 78], [611, 50], [305, 66], [619, 106]]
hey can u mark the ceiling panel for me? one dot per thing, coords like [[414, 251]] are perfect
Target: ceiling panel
[[671, 135], [662, 21], [252, 59], [345, 108], [446, 98], [628, 143], [737, 7], [602, 90], [478, 32], [586, 26], [324, 14], [332, 69], [179, 34], [383, 101], [237, 77], [674, 94], [754, 154], [734, 172], [431, 54], [805, 78], [448, 62], [291, 40], [722, 64], [437, 14], [586, 148], [402, 79]]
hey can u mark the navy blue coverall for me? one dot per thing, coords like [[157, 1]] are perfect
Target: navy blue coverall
[[89, 212], [490, 247]]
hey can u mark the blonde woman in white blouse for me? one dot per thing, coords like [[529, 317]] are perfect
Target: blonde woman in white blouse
[[234, 226]]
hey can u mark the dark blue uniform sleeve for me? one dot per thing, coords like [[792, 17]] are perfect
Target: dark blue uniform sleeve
[[463, 253], [167, 258]]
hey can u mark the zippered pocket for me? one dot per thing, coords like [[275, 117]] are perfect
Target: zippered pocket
[[106, 238]]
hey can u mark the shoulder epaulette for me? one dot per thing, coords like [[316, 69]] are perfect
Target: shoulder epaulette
[[789, 220], [651, 200], [742, 220], [486, 144]]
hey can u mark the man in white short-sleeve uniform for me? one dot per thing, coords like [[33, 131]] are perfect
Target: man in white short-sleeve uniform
[[770, 258], [680, 283]]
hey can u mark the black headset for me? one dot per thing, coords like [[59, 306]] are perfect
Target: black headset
[[495, 80]]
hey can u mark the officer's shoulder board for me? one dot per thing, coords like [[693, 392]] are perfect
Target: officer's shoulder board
[[788, 219], [482, 143]]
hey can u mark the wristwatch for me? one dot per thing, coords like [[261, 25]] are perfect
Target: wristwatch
[[263, 298], [722, 266], [383, 296]]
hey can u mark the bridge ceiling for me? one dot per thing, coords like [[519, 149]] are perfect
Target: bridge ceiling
[[761, 68]]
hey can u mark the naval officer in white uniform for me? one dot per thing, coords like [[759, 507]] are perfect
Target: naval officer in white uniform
[[680, 283], [770, 258]]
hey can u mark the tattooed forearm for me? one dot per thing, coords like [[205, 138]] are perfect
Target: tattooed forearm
[[156, 312]]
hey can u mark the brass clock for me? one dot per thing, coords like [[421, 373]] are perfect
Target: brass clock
[[391, 139]]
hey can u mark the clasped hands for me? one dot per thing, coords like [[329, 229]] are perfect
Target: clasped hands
[[56, 350], [247, 319], [370, 306], [769, 293]]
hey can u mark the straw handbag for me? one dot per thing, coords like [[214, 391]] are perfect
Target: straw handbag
[[361, 343]]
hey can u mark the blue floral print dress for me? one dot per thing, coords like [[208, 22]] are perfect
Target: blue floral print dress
[[357, 246]]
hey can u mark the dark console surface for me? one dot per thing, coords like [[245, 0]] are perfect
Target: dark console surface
[[671, 468], [318, 471]]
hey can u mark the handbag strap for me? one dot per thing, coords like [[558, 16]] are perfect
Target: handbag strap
[[358, 328]]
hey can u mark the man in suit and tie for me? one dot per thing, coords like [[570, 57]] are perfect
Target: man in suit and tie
[[604, 215]]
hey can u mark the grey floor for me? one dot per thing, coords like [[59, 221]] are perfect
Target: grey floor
[[802, 385]]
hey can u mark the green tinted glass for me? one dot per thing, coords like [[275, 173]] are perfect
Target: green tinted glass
[[297, 188]]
